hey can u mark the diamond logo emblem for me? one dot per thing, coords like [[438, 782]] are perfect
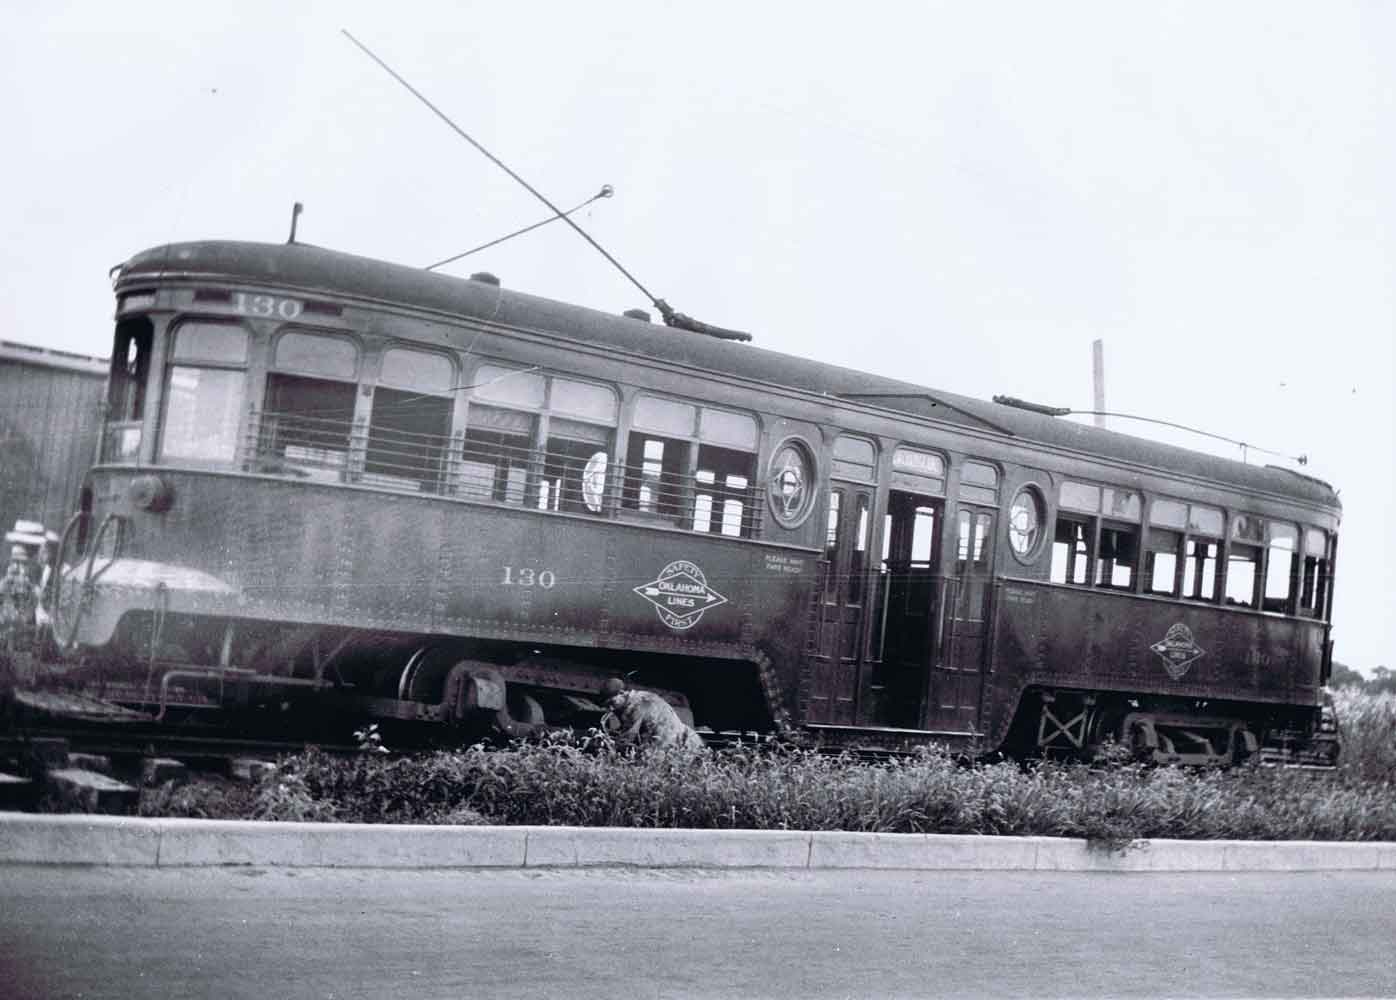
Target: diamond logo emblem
[[680, 595], [1177, 650]]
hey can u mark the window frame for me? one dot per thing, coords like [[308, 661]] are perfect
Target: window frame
[[1073, 558], [1034, 552], [809, 463], [276, 461], [1097, 521], [537, 491], [1289, 603], [172, 361], [699, 449], [1317, 580], [1189, 534]]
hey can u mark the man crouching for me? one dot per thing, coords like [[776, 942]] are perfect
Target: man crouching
[[646, 718]]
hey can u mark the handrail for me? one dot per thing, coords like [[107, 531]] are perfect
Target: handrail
[[66, 639], [509, 469], [63, 639]]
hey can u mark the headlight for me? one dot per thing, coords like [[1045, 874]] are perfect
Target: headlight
[[150, 493]]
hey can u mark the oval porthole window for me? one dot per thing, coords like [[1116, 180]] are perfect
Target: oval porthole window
[[1025, 519], [790, 487]]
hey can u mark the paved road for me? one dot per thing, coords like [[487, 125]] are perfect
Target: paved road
[[271, 933]]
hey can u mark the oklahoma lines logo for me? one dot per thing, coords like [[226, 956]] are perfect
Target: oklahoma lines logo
[[680, 594], [1177, 650]]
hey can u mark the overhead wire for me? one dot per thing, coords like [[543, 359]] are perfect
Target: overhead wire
[[1066, 411]]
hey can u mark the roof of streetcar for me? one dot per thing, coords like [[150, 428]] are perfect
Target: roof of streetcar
[[332, 273]]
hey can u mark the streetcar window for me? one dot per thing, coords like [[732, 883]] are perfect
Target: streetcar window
[[130, 367], [1119, 554], [409, 424], [503, 459], [1122, 504], [1198, 555], [716, 493], [1169, 514], [202, 409], [1025, 523], [979, 483], [1161, 562], [316, 354], [666, 416], [1200, 569], [1248, 528], [582, 399], [409, 437], [203, 398], [855, 458], [510, 386], [923, 535], [574, 467], [1280, 566], [496, 455], [723, 499], [729, 430], [308, 421], [858, 556], [1314, 587], [1071, 551], [1080, 496], [402, 368], [130, 364], [1242, 575], [831, 546], [654, 470], [211, 343], [1205, 520], [973, 535], [306, 428]]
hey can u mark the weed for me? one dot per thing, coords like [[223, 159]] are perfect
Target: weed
[[587, 780]]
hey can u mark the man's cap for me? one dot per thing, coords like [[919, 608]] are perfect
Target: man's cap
[[612, 687]]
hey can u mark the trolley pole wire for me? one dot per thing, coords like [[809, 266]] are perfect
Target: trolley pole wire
[[605, 192], [672, 317]]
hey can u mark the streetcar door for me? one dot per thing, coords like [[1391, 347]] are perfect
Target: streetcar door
[[842, 605], [904, 641], [958, 676]]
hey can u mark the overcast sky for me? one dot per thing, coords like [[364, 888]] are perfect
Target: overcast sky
[[964, 195]]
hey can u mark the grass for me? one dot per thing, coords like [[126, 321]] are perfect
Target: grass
[[589, 782]]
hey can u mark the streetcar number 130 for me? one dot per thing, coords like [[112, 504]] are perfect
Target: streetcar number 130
[[266, 305], [528, 577]]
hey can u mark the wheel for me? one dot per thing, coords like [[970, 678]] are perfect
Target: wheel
[[423, 677]]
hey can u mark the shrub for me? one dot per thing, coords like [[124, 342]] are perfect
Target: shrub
[[589, 782], [1367, 724]]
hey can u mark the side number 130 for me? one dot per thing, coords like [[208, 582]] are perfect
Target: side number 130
[[527, 577]]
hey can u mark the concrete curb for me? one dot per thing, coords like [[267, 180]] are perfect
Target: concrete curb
[[180, 843]]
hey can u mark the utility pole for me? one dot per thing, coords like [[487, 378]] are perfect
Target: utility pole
[[1098, 372]]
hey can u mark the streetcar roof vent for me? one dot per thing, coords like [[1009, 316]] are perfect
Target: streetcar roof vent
[[485, 278], [639, 314]]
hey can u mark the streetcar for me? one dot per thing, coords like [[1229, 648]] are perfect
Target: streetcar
[[336, 486]]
